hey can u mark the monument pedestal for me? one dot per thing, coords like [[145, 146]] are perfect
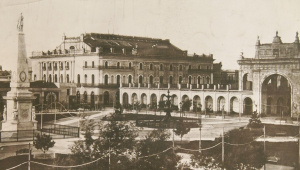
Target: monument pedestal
[[9, 125]]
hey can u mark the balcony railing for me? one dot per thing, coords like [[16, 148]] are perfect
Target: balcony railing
[[199, 70], [107, 67], [98, 85]]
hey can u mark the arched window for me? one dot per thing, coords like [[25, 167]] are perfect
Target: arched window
[[129, 79], [118, 79], [140, 79], [190, 67], [34, 77], [85, 97], [129, 65], [61, 66], [171, 79], [199, 80], [92, 100], [118, 64], [106, 64], [180, 80], [160, 67], [180, 67], [68, 78], [151, 80], [190, 79], [106, 79], [161, 79], [151, 66], [67, 66], [78, 97], [93, 79], [78, 78], [141, 66], [44, 77], [93, 64], [208, 80], [61, 78], [85, 64], [85, 78], [50, 78], [55, 78], [171, 67]]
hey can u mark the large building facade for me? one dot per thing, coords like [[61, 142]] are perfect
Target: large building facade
[[93, 67], [102, 69]]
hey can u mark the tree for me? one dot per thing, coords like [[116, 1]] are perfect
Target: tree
[[181, 129], [161, 105], [116, 141], [249, 155], [43, 142], [254, 121], [186, 104], [154, 144], [137, 106], [201, 161], [118, 108]]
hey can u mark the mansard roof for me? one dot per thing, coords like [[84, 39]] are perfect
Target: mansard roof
[[144, 45]]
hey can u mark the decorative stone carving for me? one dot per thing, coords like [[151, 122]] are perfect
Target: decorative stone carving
[[33, 113], [4, 113], [15, 112]]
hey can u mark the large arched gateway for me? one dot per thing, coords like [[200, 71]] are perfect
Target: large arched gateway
[[276, 95]]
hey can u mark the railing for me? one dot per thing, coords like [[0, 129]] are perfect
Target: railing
[[54, 130], [98, 85], [107, 67], [199, 70]]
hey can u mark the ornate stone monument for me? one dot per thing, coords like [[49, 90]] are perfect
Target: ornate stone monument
[[19, 98]]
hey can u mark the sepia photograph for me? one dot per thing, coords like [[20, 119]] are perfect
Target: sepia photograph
[[149, 85]]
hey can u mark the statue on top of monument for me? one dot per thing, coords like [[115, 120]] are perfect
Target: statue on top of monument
[[20, 23]]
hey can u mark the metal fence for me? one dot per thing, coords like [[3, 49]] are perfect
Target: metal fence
[[54, 130]]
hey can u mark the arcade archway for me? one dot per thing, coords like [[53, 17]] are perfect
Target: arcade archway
[[276, 95], [248, 106]]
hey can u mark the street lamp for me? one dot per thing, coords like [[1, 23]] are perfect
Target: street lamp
[[200, 126], [180, 109]]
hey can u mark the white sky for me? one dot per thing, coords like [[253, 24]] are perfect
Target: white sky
[[223, 28]]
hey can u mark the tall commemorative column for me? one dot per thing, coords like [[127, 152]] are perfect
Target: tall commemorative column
[[19, 114]]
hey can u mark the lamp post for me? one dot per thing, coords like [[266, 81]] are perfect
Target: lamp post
[[180, 109], [200, 126]]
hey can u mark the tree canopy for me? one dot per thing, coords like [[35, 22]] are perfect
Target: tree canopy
[[43, 142]]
